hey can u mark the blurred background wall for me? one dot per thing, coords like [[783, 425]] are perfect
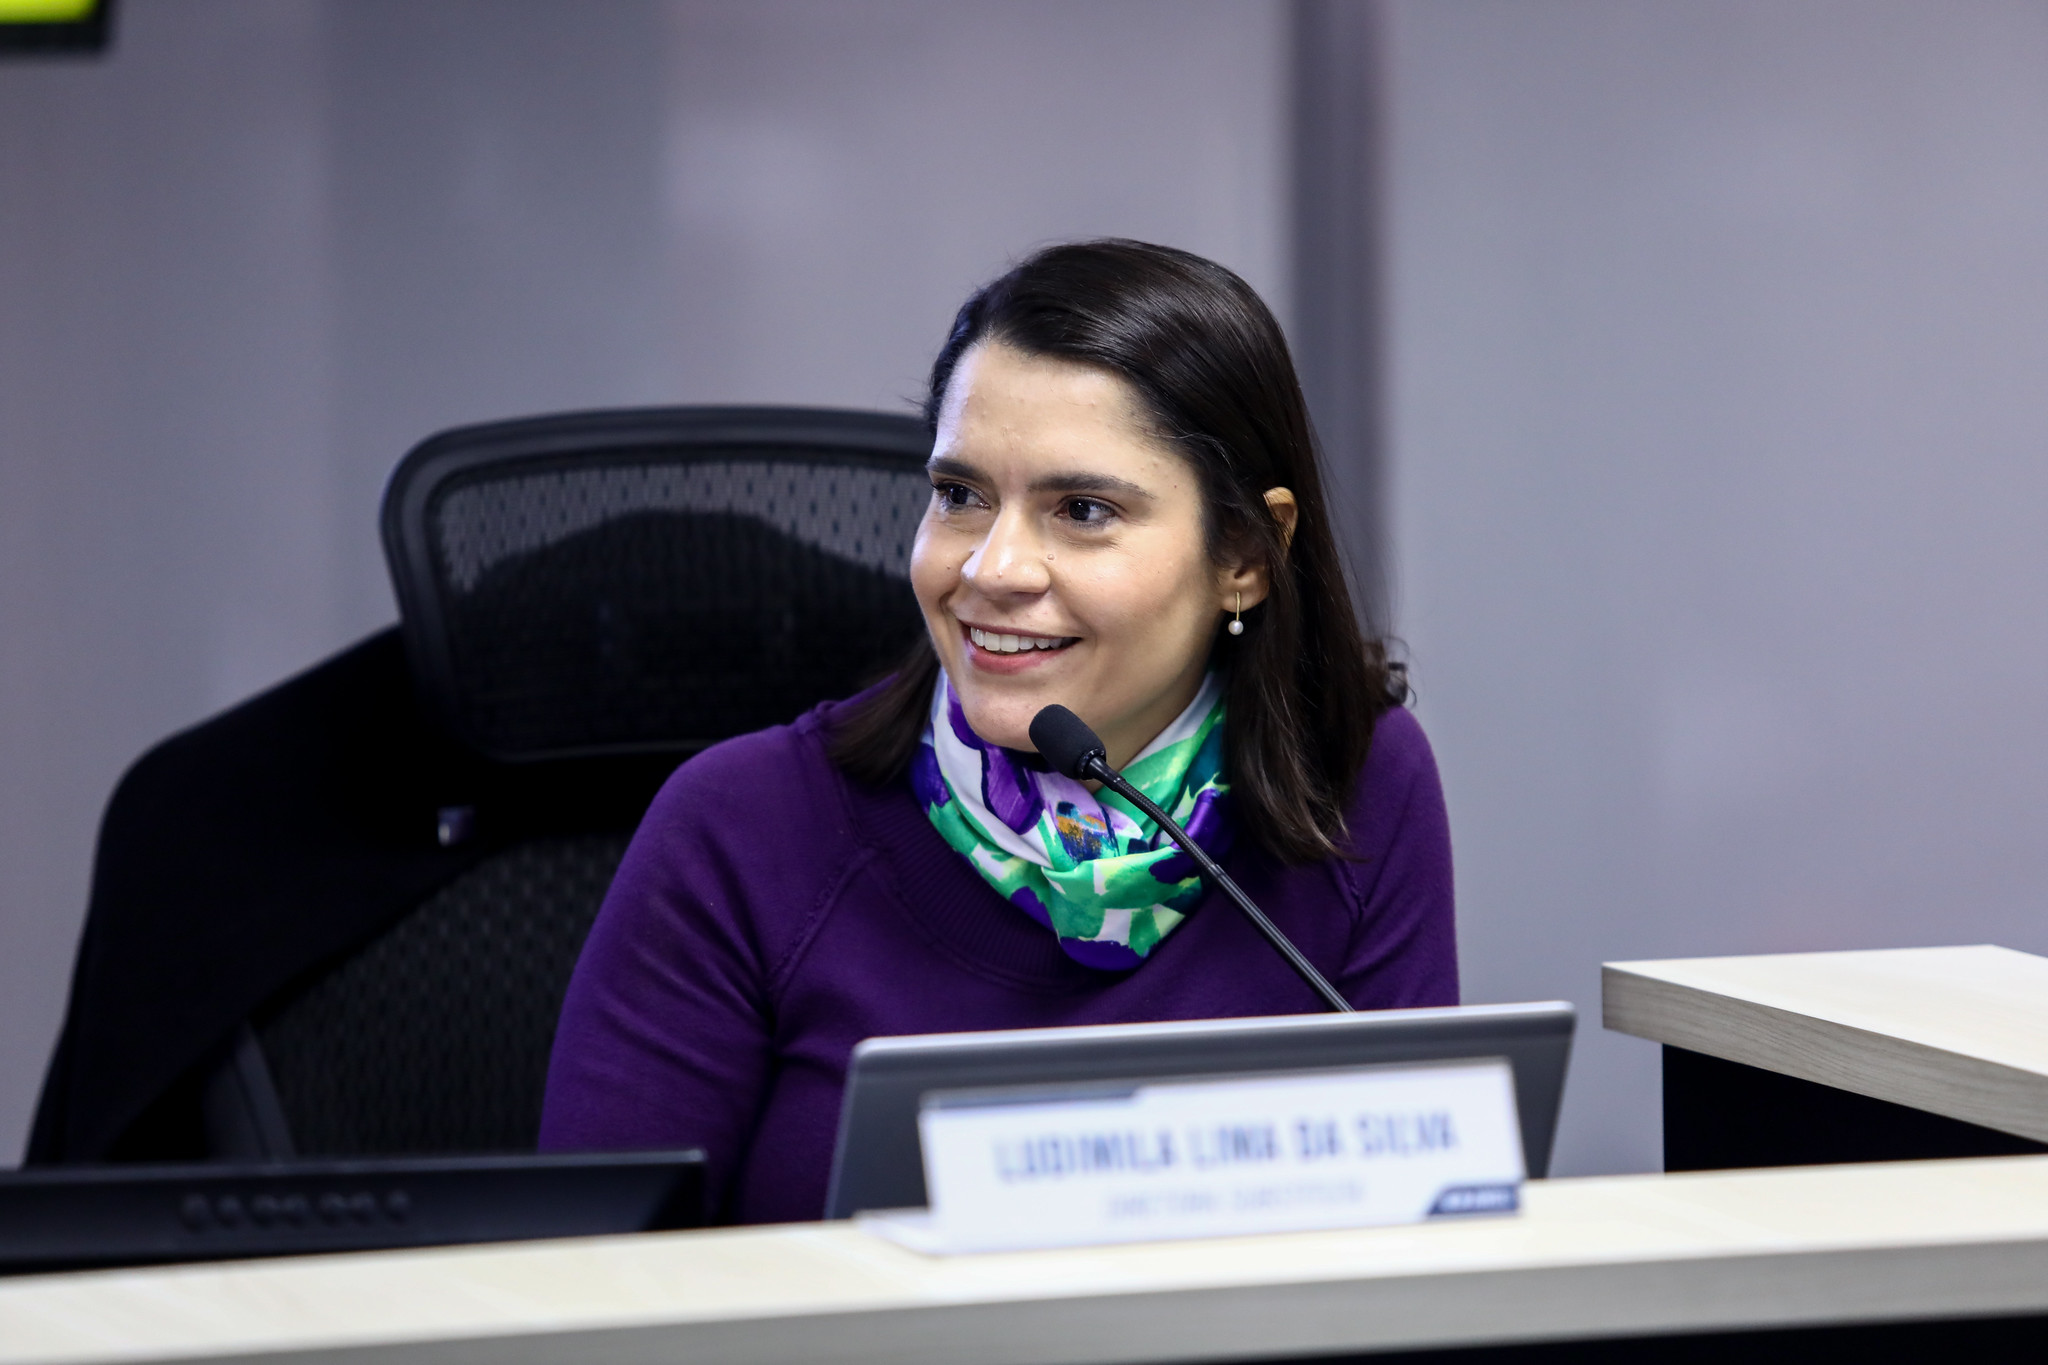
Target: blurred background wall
[[1717, 337], [1685, 349]]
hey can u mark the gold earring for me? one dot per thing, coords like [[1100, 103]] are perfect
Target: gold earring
[[1237, 625]]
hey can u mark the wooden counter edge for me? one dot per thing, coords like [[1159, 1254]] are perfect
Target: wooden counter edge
[[1304, 1319], [1863, 1061]]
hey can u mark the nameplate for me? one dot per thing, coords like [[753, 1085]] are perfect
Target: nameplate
[[1018, 1169]]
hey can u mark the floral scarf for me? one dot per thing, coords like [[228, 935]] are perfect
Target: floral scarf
[[1087, 865]]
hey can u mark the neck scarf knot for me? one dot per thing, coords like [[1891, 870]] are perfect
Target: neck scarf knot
[[1088, 865]]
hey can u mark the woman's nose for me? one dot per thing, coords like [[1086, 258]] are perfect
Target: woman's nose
[[1010, 559]]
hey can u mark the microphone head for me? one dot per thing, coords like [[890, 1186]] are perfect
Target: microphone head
[[1063, 740]]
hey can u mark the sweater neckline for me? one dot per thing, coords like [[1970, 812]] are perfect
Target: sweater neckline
[[946, 902]]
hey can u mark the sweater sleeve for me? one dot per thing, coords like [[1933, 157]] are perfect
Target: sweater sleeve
[[666, 1037], [1404, 948]]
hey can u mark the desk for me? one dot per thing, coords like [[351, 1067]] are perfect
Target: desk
[[1613, 1257], [1855, 1056]]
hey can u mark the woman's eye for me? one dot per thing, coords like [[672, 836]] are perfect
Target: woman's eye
[[1086, 511]]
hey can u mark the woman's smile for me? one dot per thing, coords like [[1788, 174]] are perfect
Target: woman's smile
[[1012, 651]]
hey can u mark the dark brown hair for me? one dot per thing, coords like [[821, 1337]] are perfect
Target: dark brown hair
[[1303, 685]]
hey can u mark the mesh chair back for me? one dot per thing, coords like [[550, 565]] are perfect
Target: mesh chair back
[[434, 1037], [653, 580], [581, 595]]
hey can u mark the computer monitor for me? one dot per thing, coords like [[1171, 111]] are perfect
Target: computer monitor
[[78, 1217], [877, 1163]]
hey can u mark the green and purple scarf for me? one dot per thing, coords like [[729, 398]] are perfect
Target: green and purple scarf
[[1088, 865]]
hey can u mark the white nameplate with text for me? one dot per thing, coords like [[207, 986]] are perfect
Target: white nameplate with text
[[1211, 1158]]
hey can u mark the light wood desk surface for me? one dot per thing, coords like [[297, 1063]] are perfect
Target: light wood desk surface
[[1612, 1256], [1961, 1032]]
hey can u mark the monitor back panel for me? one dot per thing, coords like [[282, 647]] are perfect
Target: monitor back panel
[[74, 1217], [878, 1163]]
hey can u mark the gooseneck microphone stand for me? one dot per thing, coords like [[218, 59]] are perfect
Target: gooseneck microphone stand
[[1064, 740]]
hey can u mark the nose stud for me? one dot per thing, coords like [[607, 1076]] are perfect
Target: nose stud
[[1237, 622]]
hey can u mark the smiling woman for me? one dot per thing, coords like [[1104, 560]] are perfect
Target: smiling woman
[[1035, 456], [1127, 518]]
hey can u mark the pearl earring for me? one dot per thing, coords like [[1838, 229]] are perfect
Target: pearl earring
[[1237, 624]]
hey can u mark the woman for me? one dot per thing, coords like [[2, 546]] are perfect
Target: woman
[[1126, 518]]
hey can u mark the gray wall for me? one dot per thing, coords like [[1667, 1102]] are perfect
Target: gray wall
[[1718, 336], [269, 244]]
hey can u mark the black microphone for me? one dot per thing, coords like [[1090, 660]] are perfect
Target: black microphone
[[1064, 741]]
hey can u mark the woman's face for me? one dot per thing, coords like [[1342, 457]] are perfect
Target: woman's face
[[1062, 557]]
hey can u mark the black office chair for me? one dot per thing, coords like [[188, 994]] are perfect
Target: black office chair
[[339, 919]]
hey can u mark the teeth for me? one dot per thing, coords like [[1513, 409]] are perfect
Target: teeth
[[1010, 644]]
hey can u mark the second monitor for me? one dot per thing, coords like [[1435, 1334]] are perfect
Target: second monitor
[[878, 1164]]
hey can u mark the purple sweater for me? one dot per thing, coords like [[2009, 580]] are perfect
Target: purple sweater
[[772, 912]]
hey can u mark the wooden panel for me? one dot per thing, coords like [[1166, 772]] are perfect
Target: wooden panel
[[1961, 1032], [1616, 1256]]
